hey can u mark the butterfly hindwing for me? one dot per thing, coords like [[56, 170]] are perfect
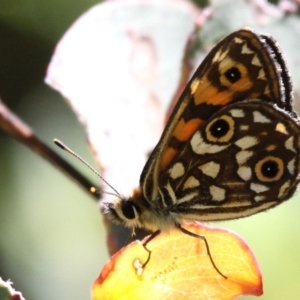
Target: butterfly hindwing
[[242, 160]]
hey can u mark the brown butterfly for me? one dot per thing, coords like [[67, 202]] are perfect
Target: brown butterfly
[[230, 148]]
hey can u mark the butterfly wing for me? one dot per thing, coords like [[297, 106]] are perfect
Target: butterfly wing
[[244, 65], [243, 160]]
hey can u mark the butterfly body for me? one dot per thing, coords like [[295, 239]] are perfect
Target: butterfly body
[[231, 146]]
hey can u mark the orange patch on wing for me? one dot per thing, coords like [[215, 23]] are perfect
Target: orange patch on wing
[[184, 130], [242, 85], [212, 95], [209, 94], [167, 156]]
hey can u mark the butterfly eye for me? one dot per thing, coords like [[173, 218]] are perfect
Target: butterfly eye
[[129, 210], [269, 169], [233, 74], [220, 130]]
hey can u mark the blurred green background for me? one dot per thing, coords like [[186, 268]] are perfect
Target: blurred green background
[[52, 242]]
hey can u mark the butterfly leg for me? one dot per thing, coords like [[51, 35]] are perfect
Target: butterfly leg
[[151, 237], [206, 245]]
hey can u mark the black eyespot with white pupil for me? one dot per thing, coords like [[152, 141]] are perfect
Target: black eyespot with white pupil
[[220, 130], [269, 169], [233, 74]]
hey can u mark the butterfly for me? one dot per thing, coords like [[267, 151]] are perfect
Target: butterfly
[[230, 148]]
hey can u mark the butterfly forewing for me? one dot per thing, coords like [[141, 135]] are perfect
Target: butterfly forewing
[[242, 66], [242, 160]]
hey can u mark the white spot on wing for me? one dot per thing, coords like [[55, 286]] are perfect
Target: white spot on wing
[[255, 61], [210, 169], [262, 75], [259, 198], [260, 118], [243, 156], [289, 144], [246, 50], [246, 142], [244, 127], [216, 57], [237, 113], [220, 55], [238, 40], [245, 173], [217, 193], [200, 147], [191, 182], [194, 85], [283, 189], [258, 188], [281, 128], [291, 166], [177, 170]]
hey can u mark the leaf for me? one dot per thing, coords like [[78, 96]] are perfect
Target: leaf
[[117, 67], [179, 268]]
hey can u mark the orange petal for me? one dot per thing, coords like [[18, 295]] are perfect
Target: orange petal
[[180, 268]]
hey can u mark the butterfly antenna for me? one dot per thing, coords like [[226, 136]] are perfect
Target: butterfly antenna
[[93, 189]]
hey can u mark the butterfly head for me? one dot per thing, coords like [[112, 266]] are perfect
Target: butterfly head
[[122, 211], [135, 212]]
